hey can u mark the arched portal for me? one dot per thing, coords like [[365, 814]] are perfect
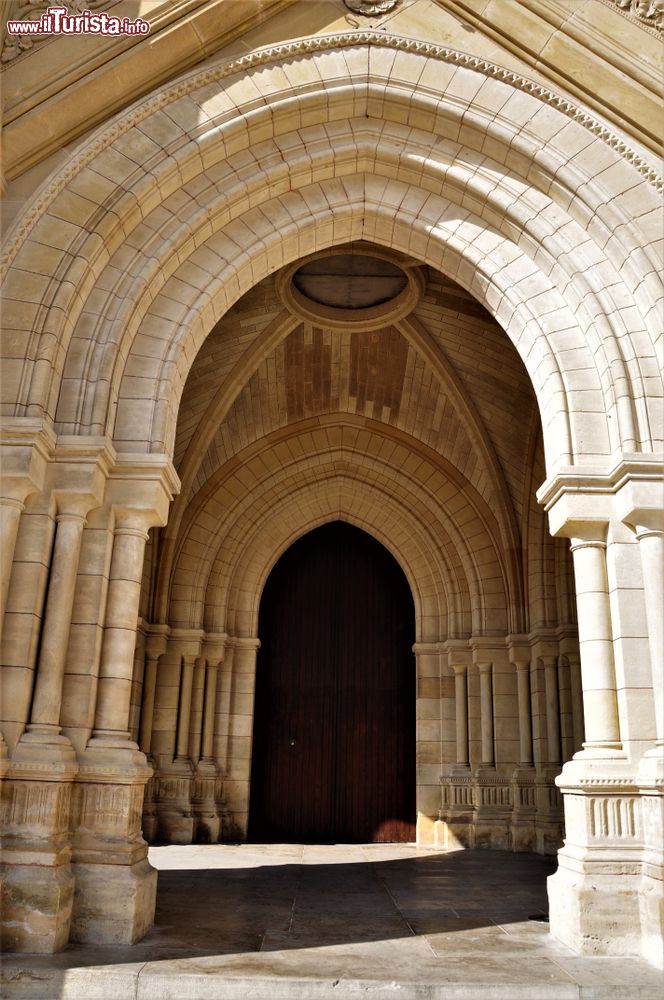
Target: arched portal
[[333, 755], [126, 380]]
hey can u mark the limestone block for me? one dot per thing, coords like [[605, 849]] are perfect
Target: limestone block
[[36, 905], [114, 904]]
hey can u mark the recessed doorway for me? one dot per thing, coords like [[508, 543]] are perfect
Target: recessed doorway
[[334, 722]]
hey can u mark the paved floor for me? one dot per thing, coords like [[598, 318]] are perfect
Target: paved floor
[[307, 922]]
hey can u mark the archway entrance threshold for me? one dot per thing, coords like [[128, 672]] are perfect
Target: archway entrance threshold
[[266, 922]]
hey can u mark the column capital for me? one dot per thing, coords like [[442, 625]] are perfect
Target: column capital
[[543, 643], [156, 639], [26, 448], [580, 496], [214, 647], [77, 476], [141, 487], [186, 641], [488, 649], [459, 668], [640, 504], [519, 650], [243, 642], [427, 648]]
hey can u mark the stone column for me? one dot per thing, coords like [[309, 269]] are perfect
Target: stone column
[[176, 777], [155, 648], [117, 654], [47, 698], [458, 793], [156, 642], [115, 884], [10, 515], [576, 690], [594, 895], [39, 882], [207, 812], [552, 708], [207, 743], [651, 548], [486, 713], [428, 708], [461, 713], [600, 702], [491, 787], [26, 447], [523, 778], [184, 715], [525, 723], [239, 727]]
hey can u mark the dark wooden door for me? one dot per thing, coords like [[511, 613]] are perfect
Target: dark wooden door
[[334, 721]]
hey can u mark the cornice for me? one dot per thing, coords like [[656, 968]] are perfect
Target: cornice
[[562, 47], [590, 480], [85, 79], [107, 134]]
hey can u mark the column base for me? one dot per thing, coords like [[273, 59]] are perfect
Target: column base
[[522, 822], [37, 880], [207, 822], [114, 904], [116, 887], [493, 809], [175, 817], [36, 904], [595, 913]]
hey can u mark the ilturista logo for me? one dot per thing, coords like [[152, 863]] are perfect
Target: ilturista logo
[[60, 21]]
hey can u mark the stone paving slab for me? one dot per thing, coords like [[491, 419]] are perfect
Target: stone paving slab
[[254, 922]]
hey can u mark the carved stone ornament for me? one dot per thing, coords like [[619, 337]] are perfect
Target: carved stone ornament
[[32, 10], [648, 13], [371, 7]]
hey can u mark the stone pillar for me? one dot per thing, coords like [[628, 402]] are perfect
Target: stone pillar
[[594, 903], [600, 702], [651, 549], [239, 729], [26, 447], [549, 819], [552, 708], [176, 776], [576, 694], [461, 714], [458, 793], [486, 714], [428, 740], [525, 724], [492, 789], [10, 515], [523, 779], [117, 654], [208, 815], [184, 715], [155, 647], [640, 508], [115, 884], [37, 795], [47, 698]]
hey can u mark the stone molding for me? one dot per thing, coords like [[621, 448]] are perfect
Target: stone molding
[[335, 318], [105, 135], [648, 14], [576, 498], [27, 445]]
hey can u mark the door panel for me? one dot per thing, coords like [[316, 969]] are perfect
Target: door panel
[[334, 722]]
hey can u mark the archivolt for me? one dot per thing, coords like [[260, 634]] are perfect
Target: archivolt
[[526, 211], [349, 467]]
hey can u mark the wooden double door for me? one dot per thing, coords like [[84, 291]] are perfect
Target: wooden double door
[[334, 724]]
